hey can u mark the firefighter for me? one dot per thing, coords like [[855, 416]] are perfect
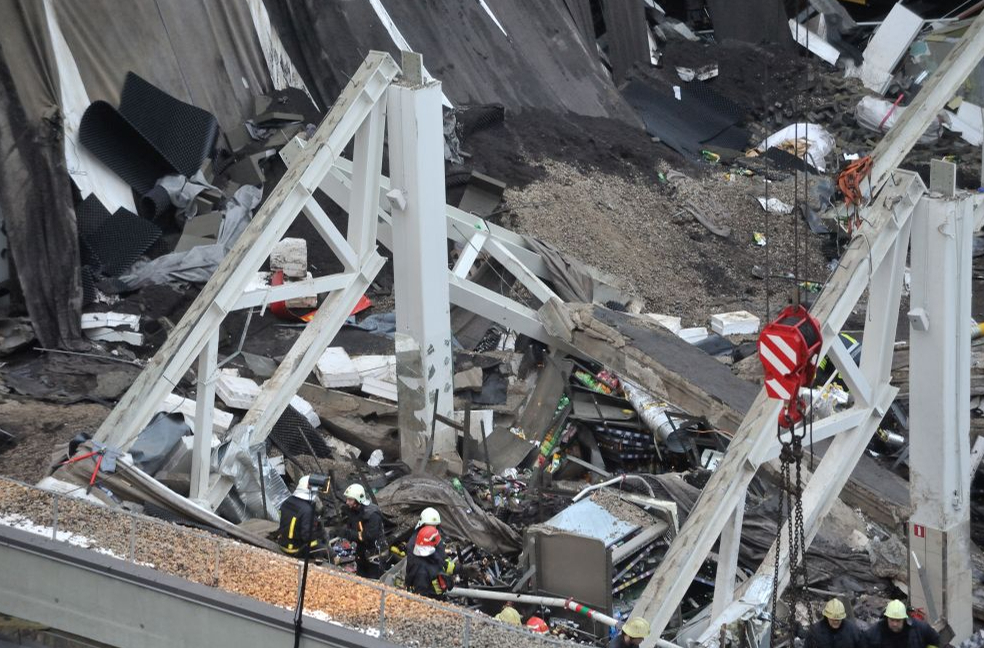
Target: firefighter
[[835, 630], [509, 615], [897, 630], [537, 625], [427, 574], [633, 632], [364, 526], [300, 522], [428, 517]]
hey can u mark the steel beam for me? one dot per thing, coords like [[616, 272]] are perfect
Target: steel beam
[[105, 599], [201, 449]]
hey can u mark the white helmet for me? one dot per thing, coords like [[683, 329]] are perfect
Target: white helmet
[[429, 517], [303, 489], [356, 492]]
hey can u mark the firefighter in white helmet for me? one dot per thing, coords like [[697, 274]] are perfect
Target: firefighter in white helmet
[[300, 522], [364, 526]]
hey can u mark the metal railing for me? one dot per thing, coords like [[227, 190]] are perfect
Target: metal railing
[[332, 594]]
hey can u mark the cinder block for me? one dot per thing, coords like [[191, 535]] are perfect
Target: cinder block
[[290, 255], [308, 301], [335, 369], [735, 323], [469, 379], [666, 321]]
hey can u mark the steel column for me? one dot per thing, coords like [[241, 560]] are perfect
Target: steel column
[[939, 410], [420, 267]]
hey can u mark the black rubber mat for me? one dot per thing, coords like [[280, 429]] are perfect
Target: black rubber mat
[[699, 119], [154, 203], [121, 147], [788, 162], [183, 134], [291, 429], [150, 136], [88, 286], [110, 243]]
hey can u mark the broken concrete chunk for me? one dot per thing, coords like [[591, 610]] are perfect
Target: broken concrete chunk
[[111, 321], [248, 170], [290, 255], [469, 379], [335, 369], [238, 138], [307, 301], [221, 421], [666, 321], [735, 323]]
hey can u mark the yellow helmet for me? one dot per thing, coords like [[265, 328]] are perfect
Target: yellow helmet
[[834, 609], [896, 610], [636, 627], [509, 615]]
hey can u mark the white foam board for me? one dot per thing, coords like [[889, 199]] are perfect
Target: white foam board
[[887, 47], [110, 320], [735, 323], [221, 421], [335, 369], [693, 335]]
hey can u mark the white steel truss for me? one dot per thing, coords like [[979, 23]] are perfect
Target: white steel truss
[[874, 260], [358, 113]]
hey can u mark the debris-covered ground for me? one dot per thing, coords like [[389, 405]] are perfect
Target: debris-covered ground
[[677, 204]]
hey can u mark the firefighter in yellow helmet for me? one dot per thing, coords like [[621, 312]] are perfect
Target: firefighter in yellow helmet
[[897, 630], [835, 630], [633, 632]]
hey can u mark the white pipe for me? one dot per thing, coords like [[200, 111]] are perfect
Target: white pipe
[[549, 601], [614, 480]]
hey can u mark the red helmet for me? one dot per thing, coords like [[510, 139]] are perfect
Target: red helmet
[[538, 625], [428, 538]]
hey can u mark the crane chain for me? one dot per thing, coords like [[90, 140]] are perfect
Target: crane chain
[[790, 515]]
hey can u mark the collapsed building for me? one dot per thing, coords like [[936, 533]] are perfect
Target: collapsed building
[[591, 457]]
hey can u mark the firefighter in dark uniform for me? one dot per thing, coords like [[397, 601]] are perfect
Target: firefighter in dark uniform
[[300, 522], [429, 572], [835, 630], [364, 526]]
